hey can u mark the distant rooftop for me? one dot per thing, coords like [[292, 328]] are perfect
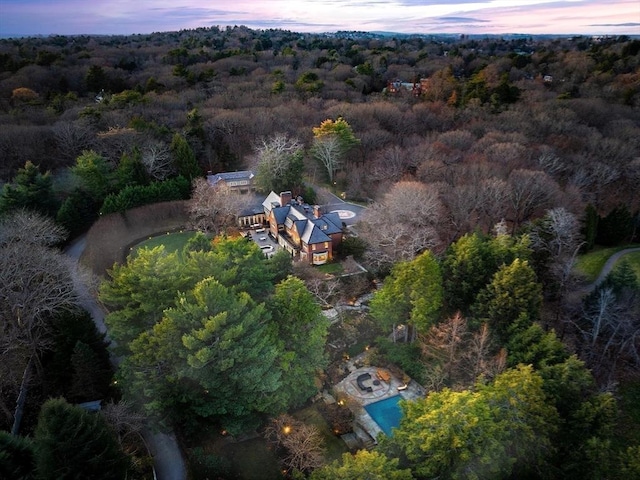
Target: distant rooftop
[[214, 178]]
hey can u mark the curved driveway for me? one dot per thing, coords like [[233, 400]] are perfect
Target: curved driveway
[[167, 458], [610, 263], [349, 212]]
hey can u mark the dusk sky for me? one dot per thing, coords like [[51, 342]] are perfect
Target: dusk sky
[[589, 17]]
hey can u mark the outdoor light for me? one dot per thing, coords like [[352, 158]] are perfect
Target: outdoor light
[[286, 429]]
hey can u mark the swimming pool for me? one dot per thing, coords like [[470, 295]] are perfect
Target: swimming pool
[[386, 413]]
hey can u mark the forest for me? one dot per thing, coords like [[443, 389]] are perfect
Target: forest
[[487, 165]]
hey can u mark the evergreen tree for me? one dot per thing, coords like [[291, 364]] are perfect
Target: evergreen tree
[[470, 263], [72, 443], [363, 465], [78, 212], [212, 357], [590, 227], [411, 294], [184, 159], [17, 457], [511, 302], [616, 227], [94, 173], [498, 430], [29, 190], [131, 171], [301, 330]]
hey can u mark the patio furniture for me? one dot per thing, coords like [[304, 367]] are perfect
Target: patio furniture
[[363, 377], [383, 375]]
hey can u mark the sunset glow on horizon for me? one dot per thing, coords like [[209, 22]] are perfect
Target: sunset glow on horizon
[[583, 17]]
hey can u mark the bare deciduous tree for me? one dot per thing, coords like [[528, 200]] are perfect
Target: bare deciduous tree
[[403, 224], [328, 151], [455, 356], [123, 419], [275, 152], [557, 236], [156, 158], [212, 208], [322, 288], [73, 138], [610, 326], [530, 191], [302, 443], [36, 282], [477, 356]]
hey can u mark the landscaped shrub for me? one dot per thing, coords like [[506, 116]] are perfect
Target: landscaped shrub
[[138, 195], [405, 355]]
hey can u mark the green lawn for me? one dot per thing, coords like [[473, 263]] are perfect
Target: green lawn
[[333, 268], [590, 264], [173, 242]]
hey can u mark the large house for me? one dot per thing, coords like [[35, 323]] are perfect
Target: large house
[[301, 229], [241, 181]]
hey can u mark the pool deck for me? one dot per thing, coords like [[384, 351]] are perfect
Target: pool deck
[[385, 388]]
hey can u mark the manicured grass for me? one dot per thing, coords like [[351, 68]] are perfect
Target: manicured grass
[[333, 445], [330, 268], [173, 242], [590, 264]]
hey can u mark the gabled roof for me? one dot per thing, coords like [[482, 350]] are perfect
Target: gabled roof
[[329, 223], [280, 214], [271, 200], [300, 226], [213, 179], [312, 234]]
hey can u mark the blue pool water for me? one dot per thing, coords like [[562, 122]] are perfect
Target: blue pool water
[[386, 413]]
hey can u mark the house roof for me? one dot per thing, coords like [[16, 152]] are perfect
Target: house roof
[[301, 217], [329, 223], [213, 179], [272, 199], [312, 234], [281, 213]]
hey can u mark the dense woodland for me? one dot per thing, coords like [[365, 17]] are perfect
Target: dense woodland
[[500, 161]]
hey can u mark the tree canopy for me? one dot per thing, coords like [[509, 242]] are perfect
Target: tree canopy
[[411, 294], [73, 443], [493, 431]]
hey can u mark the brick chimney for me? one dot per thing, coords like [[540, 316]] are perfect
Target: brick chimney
[[316, 211], [285, 198]]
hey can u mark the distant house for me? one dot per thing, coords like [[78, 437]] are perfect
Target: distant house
[[398, 86], [301, 229], [241, 181]]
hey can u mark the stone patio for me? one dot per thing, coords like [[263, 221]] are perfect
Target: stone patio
[[386, 387]]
